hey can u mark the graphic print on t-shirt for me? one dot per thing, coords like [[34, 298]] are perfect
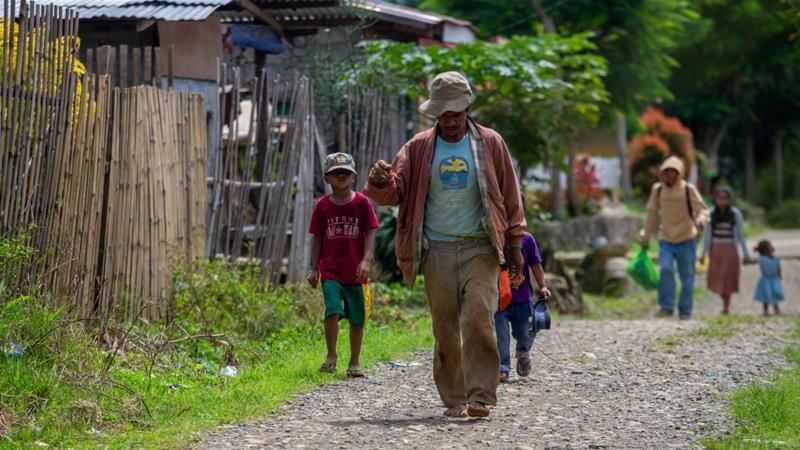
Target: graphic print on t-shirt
[[343, 228], [453, 171]]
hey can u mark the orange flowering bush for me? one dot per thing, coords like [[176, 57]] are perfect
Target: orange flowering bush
[[664, 136]]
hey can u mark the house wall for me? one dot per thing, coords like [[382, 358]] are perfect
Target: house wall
[[96, 33], [457, 34], [198, 47]]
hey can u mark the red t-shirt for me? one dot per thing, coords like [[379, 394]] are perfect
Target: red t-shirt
[[343, 228]]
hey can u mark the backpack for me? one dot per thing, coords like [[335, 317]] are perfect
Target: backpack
[[688, 200]]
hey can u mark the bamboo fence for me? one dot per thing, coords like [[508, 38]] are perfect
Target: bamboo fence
[[113, 179], [262, 194], [260, 213], [127, 67], [156, 198]]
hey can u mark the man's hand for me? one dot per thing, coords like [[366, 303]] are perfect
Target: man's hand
[[515, 262], [380, 173], [701, 224], [362, 272], [545, 293], [313, 277]]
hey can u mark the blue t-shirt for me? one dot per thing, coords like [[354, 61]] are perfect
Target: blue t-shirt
[[453, 209], [531, 255]]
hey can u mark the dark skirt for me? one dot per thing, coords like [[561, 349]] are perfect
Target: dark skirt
[[724, 268]]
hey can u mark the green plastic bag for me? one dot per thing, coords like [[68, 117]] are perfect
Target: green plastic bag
[[643, 271]]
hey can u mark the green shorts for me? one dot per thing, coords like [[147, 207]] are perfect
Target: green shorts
[[349, 301]]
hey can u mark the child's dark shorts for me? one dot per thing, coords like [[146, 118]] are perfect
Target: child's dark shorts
[[349, 301]]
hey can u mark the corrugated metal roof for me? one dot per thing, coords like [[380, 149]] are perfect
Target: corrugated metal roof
[[284, 11], [174, 10], [399, 13], [352, 9]]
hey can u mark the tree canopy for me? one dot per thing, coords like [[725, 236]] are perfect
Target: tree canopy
[[516, 83]]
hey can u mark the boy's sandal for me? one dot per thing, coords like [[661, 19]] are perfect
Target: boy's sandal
[[328, 367], [524, 366], [355, 372]]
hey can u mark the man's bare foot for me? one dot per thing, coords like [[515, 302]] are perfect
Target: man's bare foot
[[456, 411], [477, 409]]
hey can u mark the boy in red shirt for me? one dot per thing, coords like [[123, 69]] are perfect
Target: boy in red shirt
[[343, 224]]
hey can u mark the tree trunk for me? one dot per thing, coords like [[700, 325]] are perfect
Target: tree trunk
[[749, 163], [713, 150], [572, 195], [547, 21], [622, 153], [341, 133], [777, 142], [556, 196]]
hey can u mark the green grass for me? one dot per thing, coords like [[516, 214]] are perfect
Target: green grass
[[716, 328], [69, 388], [639, 304], [767, 413], [636, 306], [723, 326], [635, 207], [754, 229], [183, 400]]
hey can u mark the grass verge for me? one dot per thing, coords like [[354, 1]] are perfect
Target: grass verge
[[767, 413], [715, 328], [167, 406], [160, 385], [637, 304]]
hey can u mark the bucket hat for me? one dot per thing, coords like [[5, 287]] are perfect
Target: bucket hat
[[450, 91]]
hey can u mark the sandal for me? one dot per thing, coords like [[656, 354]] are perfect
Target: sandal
[[354, 372], [503, 377], [328, 367], [456, 411], [524, 366], [477, 409]]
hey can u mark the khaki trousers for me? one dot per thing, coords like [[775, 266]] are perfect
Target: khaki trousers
[[461, 285]]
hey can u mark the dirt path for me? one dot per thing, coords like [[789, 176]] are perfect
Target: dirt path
[[596, 384]]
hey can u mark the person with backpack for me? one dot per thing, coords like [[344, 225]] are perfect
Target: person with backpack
[[683, 214]]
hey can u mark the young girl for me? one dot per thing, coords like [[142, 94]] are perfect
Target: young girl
[[769, 289], [719, 242]]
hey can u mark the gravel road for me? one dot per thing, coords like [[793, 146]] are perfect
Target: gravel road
[[596, 384]]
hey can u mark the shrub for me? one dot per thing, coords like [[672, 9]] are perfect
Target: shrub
[[222, 297], [385, 255], [664, 136], [785, 216], [16, 255], [587, 185]]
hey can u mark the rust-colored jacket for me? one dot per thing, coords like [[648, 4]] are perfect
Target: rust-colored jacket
[[504, 218]]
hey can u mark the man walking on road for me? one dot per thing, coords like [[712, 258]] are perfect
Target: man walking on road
[[683, 214], [459, 203]]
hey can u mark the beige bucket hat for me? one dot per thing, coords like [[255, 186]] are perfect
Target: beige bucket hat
[[450, 91]]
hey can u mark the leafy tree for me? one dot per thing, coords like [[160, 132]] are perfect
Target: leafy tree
[[664, 137], [636, 37], [738, 85], [516, 84]]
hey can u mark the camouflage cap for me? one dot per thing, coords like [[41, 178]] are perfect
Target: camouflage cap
[[339, 161]]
